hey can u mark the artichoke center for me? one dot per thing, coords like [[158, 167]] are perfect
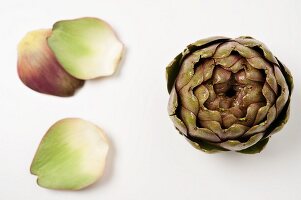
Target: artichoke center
[[230, 93]]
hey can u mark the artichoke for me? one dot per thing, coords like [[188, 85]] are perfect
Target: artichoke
[[228, 94]]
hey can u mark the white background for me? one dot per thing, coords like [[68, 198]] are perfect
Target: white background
[[148, 159]]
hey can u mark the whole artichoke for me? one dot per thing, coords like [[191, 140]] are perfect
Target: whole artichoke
[[228, 94]]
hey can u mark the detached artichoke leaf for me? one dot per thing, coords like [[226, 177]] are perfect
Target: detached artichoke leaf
[[87, 48], [235, 102], [38, 68], [71, 155]]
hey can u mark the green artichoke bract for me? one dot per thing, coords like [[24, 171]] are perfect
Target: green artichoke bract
[[71, 155], [87, 48], [228, 94], [38, 68]]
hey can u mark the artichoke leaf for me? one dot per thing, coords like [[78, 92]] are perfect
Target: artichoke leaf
[[172, 71], [205, 146], [235, 145], [257, 148]]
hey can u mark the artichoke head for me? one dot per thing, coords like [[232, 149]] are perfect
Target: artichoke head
[[228, 94]]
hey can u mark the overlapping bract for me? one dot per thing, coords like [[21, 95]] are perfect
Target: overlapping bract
[[57, 61], [228, 94]]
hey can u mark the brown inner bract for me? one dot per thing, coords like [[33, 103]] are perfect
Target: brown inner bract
[[224, 95], [232, 93]]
